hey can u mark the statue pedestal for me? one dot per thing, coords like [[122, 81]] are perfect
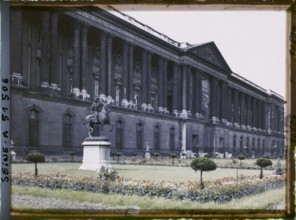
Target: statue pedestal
[[96, 153]]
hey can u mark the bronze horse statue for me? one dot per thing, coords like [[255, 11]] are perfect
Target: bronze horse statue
[[102, 118]]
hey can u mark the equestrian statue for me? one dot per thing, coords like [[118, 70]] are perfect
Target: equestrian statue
[[101, 109]]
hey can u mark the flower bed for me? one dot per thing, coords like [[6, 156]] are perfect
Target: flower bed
[[220, 191]]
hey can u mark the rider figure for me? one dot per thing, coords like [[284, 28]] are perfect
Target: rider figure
[[96, 107]]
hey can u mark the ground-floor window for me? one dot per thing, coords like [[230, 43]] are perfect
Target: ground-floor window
[[156, 137], [139, 140], [33, 128], [67, 130], [172, 139]]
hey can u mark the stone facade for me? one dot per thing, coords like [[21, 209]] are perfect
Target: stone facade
[[165, 94]]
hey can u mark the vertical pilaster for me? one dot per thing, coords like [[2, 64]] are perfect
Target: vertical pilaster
[[131, 73], [189, 89], [45, 50], [110, 84], [243, 109], [184, 113], [84, 56], [214, 98], [148, 80], [197, 93], [175, 87], [76, 60], [165, 73], [249, 111], [103, 90], [144, 78], [229, 104], [224, 100], [236, 106], [160, 84], [54, 49], [16, 51], [125, 73]]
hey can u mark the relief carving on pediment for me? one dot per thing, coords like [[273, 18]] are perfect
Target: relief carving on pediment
[[207, 54]]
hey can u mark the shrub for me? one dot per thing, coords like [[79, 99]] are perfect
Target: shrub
[[35, 157], [72, 153], [117, 154], [206, 155], [105, 174], [203, 164], [263, 162], [173, 156], [279, 169], [155, 155]]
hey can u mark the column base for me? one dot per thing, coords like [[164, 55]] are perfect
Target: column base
[[184, 114], [124, 103], [160, 109], [84, 94], [132, 105], [144, 106], [165, 111], [76, 92], [176, 113], [149, 108], [44, 84]]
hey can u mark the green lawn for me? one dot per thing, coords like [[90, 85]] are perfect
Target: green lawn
[[136, 172]]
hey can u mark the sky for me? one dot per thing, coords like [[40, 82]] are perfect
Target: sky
[[253, 43]]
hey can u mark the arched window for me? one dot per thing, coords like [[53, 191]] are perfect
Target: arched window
[[33, 127], [156, 137], [172, 139], [119, 134], [68, 130], [140, 129]]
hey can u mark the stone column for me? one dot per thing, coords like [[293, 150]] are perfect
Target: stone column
[[184, 113], [84, 57], [110, 83], [197, 94], [165, 68], [224, 101], [103, 81], [243, 109], [76, 60], [254, 114], [189, 89], [229, 105], [160, 84], [148, 80], [259, 114], [131, 73], [125, 58], [45, 50], [249, 119], [143, 79], [175, 88], [235, 112], [16, 46], [54, 51]]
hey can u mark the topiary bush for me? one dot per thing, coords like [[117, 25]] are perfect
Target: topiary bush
[[203, 164], [263, 162], [35, 157], [156, 155], [173, 156]]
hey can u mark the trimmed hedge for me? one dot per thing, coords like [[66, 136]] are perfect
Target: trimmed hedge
[[218, 191]]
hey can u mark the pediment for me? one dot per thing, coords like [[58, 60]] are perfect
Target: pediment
[[210, 53]]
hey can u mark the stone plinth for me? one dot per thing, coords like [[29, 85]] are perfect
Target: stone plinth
[[96, 153]]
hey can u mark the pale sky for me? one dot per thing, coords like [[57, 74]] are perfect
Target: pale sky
[[253, 43]]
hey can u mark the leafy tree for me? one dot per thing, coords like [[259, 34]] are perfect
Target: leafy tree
[[173, 156], [263, 162], [203, 164], [35, 157]]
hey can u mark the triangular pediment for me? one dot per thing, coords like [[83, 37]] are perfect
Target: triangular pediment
[[210, 53]]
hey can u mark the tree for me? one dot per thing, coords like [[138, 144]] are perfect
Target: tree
[[173, 156], [241, 157], [35, 157], [72, 153], [155, 155], [203, 164], [263, 162]]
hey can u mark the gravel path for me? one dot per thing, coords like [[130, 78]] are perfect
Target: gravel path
[[52, 203]]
